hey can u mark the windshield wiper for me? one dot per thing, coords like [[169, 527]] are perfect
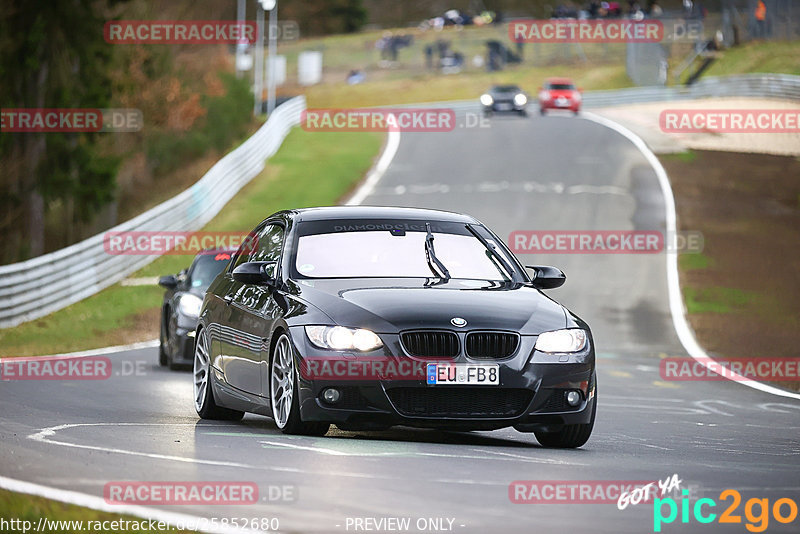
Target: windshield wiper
[[430, 255], [493, 250]]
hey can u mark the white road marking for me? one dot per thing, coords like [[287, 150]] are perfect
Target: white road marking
[[706, 405], [392, 143], [44, 434], [677, 309], [108, 350], [141, 281], [485, 188], [98, 503], [323, 450]]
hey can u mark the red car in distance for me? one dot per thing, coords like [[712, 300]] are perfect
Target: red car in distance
[[559, 93]]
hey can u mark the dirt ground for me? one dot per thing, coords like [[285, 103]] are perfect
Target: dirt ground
[[644, 119], [745, 290]]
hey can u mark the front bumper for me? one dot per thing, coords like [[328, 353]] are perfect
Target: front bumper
[[505, 105], [556, 103], [531, 394], [182, 345]]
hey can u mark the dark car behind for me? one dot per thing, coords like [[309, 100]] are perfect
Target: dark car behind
[[504, 98], [181, 306]]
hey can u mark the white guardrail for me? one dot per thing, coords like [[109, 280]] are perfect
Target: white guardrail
[[42, 285], [783, 86]]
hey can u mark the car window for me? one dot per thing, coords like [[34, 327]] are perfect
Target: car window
[[382, 254], [244, 251], [269, 245], [561, 86], [206, 267]]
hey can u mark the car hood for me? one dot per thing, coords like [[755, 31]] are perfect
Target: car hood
[[505, 95], [392, 305], [559, 93]]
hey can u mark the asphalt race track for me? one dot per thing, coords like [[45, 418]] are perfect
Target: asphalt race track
[[540, 173]]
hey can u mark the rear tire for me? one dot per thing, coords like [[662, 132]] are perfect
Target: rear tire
[[284, 393], [570, 436], [204, 402]]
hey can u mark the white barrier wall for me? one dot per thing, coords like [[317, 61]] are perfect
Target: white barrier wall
[[47, 283]]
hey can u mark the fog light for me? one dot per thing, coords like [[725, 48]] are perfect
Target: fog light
[[331, 395], [573, 398]]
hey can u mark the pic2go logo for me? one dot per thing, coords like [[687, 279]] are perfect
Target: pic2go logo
[[758, 521]]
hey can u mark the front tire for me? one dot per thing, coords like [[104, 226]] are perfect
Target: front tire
[[163, 361], [570, 436], [173, 345], [204, 402], [284, 393]]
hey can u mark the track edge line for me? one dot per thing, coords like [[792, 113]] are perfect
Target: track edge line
[[97, 503], [676, 305]]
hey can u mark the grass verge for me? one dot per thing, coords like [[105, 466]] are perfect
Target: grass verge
[[62, 518], [741, 292], [310, 169]]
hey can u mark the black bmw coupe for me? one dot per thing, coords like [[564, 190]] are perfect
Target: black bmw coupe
[[369, 317]]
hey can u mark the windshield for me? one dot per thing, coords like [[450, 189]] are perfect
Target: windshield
[[396, 254], [206, 268], [561, 86], [507, 89]]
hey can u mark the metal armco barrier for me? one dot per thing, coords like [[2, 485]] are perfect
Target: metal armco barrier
[[42, 285], [783, 86]]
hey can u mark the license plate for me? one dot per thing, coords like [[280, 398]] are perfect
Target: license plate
[[503, 106], [468, 374], [561, 102]]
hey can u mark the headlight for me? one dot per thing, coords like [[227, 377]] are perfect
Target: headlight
[[544, 95], [189, 305], [486, 99], [569, 340], [520, 99], [342, 338], [576, 96]]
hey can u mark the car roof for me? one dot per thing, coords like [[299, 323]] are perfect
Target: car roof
[[504, 87], [379, 212], [559, 80]]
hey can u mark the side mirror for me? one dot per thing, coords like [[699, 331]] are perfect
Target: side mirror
[[169, 281], [256, 273], [545, 277]]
